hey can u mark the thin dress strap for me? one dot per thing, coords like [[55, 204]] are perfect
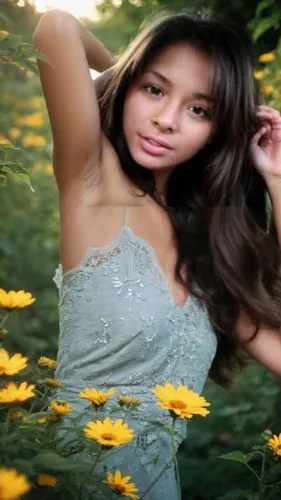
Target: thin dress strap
[[126, 216]]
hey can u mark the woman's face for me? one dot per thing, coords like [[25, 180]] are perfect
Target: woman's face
[[168, 110]]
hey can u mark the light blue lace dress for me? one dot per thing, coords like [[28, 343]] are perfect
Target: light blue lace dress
[[120, 327]]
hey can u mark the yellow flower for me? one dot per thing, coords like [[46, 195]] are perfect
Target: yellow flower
[[54, 382], [267, 89], [128, 401], [34, 140], [11, 365], [109, 433], [259, 74], [4, 140], [12, 299], [181, 402], [121, 484], [34, 120], [98, 398], [41, 420], [3, 35], [60, 407], [267, 57], [14, 132], [16, 394], [275, 444], [45, 362], [49, 169], [46, 480], [12, 484]]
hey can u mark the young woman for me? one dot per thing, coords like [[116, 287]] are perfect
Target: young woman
[[168, 264]]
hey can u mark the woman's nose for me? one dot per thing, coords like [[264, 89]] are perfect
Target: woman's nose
[[167, 118]]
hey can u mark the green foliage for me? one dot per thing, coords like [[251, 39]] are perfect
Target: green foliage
[[267, 16], [232, 430]]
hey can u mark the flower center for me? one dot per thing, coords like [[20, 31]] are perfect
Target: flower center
[[107, 436], [279, 446], [179, 405], [120, 488]]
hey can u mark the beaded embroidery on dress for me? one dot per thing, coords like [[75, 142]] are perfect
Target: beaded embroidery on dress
[[120, 327]]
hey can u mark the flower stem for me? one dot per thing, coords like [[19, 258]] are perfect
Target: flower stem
[[3, 320], [91, 470], [167, 465], [261, 485], [253, 471]]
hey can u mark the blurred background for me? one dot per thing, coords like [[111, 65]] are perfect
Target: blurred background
[[29, 217]]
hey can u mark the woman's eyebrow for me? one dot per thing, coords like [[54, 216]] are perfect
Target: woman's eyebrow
[[196, 95]]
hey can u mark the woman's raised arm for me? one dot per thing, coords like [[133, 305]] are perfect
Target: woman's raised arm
[[70, 96]]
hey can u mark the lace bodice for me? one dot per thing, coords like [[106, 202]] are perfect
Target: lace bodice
[[117, 306]]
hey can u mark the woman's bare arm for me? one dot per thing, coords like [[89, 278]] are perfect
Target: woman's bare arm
[[70, 95], [265, 347]]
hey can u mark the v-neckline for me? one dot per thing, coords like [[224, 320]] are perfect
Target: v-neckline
[[165, 279], [152, 253]]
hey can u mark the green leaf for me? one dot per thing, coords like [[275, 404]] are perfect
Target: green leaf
[[3, 180], [50, 460], [264, 25], [263, 5], [24, 466], [8, 146], [18, 171], [250, 455], [235, 456]]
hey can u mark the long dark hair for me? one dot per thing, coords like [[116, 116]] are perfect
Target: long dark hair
[[216, 201]]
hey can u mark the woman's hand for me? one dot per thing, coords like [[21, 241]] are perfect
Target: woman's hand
[[265, 146]]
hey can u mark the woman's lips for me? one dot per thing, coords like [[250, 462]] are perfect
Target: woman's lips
[[151, 147]]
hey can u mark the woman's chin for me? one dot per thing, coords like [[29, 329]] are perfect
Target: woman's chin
[[149, 161]]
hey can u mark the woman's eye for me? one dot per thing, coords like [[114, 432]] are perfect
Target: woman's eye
[[200, 111], [152, 89]]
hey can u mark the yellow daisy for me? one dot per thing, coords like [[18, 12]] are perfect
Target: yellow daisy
[[12, 299], [16, 394], [128, 401], [61, 407], [12, 484], [275, 444], [45, 362], [41, 420], [3, 35], [267, 89], [181, 402], [53, 382], [109, 433], [34, 141], [121, 485], [267, 57], [13, 364], [46, 480], [98, 398], [259, 74]]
